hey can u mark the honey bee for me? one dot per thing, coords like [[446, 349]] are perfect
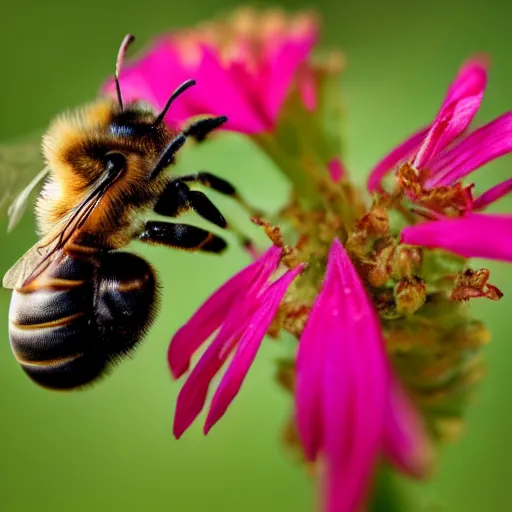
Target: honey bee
[[80, 303]]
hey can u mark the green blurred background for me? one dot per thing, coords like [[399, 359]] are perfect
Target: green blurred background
[[111, 448]]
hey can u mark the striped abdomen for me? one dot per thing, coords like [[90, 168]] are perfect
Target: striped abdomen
[[68, 325]]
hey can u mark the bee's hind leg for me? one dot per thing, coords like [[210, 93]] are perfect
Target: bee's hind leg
[[181, 236]]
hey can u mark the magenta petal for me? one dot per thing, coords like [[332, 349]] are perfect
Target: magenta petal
[[354, 425], [406, 442], [492, 195], [400, 154], [192, 396], [479, 147], [221, 95], [337, 410], [283, 58], [336, 169], [460, 105], [248, 345], [310, 366], [470, 81], [474, 235], [448, 125], [342, 384], [306, 85], [214, 311], [250, 300]]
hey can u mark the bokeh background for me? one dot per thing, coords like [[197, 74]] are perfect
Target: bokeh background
[[111, 448]]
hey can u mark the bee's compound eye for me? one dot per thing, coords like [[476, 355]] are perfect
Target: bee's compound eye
[[115, 162]]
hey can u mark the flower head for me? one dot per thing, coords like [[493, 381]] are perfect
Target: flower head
[[388, 355], [372, 314], [431, 164], [244, 65]]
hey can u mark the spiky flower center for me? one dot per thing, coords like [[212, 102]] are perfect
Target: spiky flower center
[[419, 293]]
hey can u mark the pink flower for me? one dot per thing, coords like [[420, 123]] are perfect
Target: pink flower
[[244, 67], [241, 310], [336, 169], [346, 398], [342, 414], [440, 156]]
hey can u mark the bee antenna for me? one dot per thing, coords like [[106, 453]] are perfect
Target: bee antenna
[[178, 92], [128, 39]]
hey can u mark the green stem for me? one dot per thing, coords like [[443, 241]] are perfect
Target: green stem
[[386, 497], [305, 188]]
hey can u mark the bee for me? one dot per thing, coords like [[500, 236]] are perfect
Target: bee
[[79, 302]]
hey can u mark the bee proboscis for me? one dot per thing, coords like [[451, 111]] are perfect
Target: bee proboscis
[[80, 302]]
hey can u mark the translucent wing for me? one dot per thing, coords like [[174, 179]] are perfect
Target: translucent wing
[[53, 246], [21, 172], [37, 258]]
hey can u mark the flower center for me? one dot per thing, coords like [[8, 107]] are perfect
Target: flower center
[[452, 200], [430, 337]]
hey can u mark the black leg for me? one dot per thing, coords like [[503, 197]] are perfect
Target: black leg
[[181, 236], [178, 198], [210, 181], [219, 185], [197, 130], [200, 129], [167, 156]]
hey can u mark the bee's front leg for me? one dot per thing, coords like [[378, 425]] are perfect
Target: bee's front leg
[[200, 129]]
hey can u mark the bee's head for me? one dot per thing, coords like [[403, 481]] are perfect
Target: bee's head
[[80, 145], [109, 151]]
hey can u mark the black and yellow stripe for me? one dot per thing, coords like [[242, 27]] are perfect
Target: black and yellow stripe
[[77, 317]]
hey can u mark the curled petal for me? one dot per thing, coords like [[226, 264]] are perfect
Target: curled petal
[[406, 442], [400, 154], [448, 125], [254, 332], [470, 81], [474, 235], [493, 194], [479, 147], [459, 107], [208, 318]]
